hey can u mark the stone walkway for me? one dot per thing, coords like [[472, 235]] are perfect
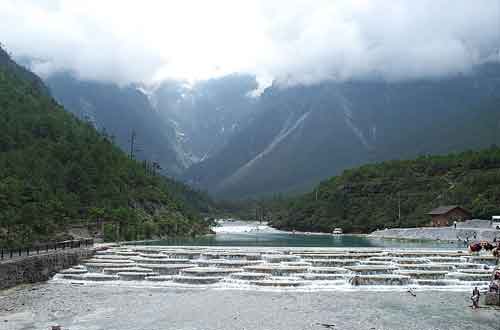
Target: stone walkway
[[25, 254], [439, 233]]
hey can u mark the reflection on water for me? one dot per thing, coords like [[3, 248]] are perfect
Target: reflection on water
[[300, 240]]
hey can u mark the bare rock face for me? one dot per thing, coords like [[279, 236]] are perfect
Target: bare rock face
[[39, 268]]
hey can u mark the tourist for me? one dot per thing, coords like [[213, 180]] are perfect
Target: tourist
[[475, 298], [455, 224], [494, 287], [496, 251], [475, 247]]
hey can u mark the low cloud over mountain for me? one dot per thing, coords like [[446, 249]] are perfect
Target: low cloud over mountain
[[290, 41]]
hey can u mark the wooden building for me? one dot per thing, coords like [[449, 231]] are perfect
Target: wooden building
[[445, 215]]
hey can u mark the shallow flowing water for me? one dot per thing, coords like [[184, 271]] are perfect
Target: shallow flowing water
[[263, 280], [251, 256], [289, 268]]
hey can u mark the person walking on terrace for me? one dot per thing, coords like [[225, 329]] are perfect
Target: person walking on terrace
[[475, 298]]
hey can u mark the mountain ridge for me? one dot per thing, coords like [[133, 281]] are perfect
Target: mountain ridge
[[349, 124], [217, 138]]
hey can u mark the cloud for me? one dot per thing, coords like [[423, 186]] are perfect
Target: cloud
[[291, 41], [389, 39]]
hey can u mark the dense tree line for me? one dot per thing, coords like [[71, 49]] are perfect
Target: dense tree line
[[396, 193], [57, 171]]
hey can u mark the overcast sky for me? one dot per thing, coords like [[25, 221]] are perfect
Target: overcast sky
[[298, 41]]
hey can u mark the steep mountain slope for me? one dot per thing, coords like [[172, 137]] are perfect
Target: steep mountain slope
[[303, 134], [208, 114], [176, 125], [372, 196], [22, 72], [56, 170], [120, 111]]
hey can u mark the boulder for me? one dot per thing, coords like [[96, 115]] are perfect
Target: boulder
[[492, 298]]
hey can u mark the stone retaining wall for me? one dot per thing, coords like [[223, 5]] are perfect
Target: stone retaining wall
[[39, 268]]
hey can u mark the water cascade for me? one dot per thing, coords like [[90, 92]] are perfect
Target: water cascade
[[280, 268]]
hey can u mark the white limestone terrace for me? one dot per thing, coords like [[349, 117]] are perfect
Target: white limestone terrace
[[471, 229], [285, 268]]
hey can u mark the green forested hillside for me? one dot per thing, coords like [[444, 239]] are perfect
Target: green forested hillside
[[56, 171], [370, 197]]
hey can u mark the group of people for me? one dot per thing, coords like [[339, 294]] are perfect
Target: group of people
[[467, 238], [494, 287], [483, 245]]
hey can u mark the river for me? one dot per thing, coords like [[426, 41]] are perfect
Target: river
[[259, 280], [239, 233]]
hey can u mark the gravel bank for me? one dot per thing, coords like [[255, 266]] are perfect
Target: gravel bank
[[90, 307]]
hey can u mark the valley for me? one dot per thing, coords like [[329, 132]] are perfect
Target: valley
[[218, 137], [253, 165]]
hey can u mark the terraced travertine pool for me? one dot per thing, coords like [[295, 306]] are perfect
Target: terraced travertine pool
[[276, 268], [262, 280]]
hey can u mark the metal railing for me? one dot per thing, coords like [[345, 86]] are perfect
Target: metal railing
[[44, 248]]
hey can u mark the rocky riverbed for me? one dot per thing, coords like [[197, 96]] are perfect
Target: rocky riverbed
[[93, 307]]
